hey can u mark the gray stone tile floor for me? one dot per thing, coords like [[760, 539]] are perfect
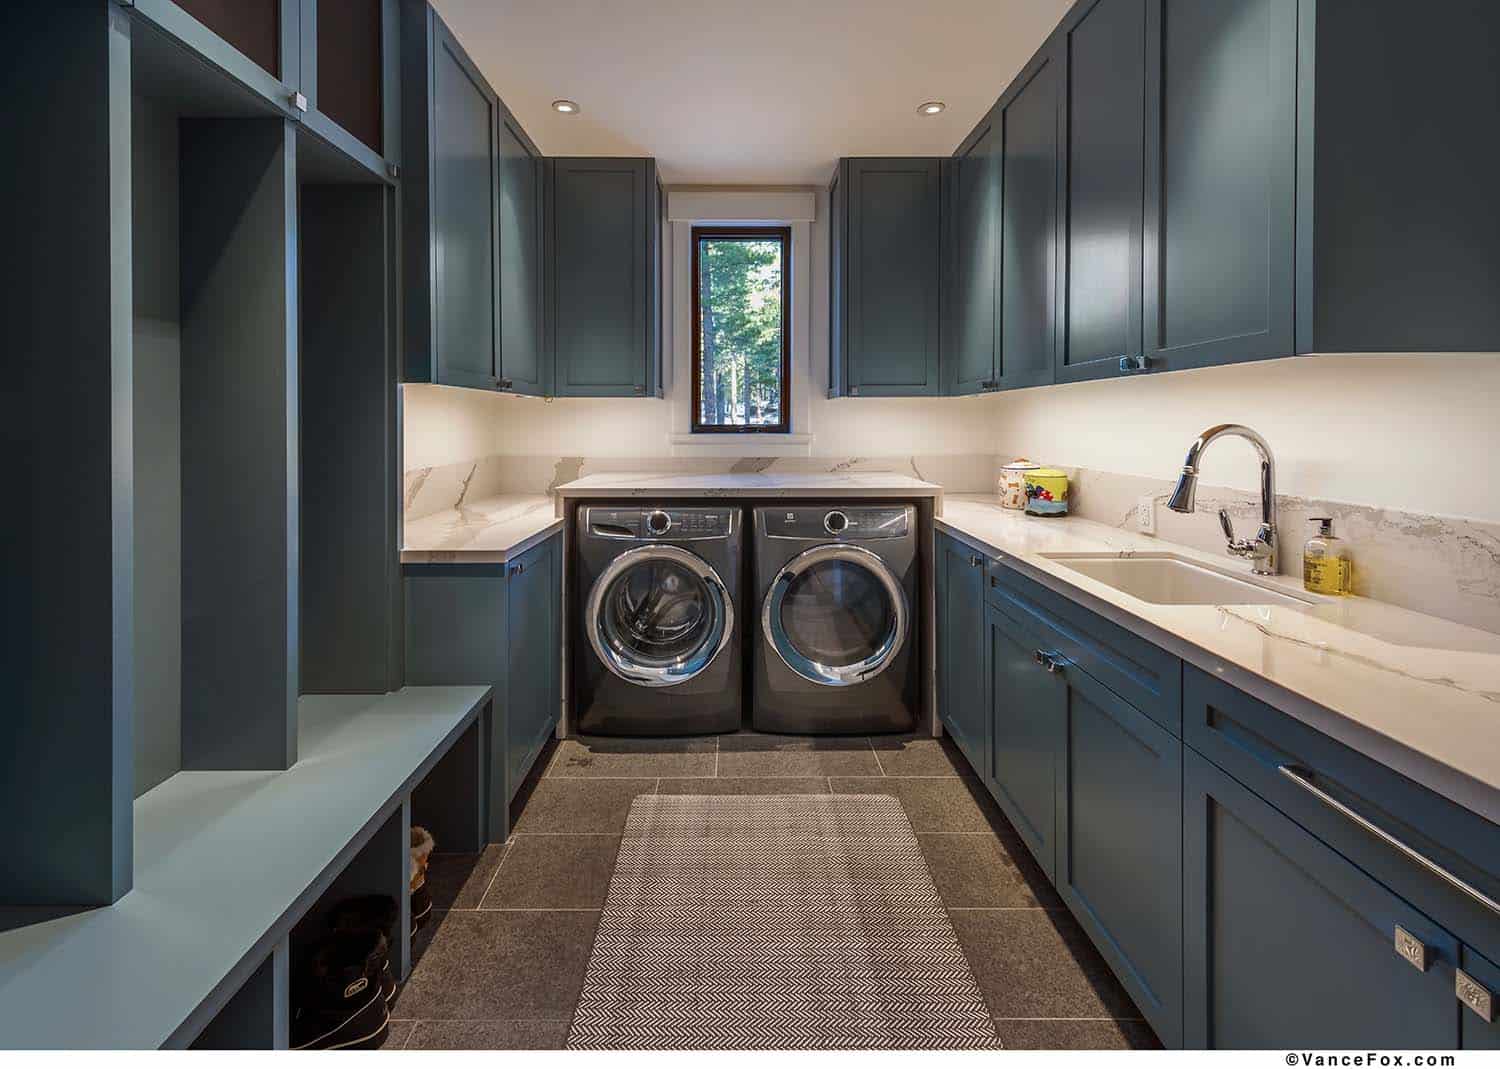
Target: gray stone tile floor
[[501, 964]]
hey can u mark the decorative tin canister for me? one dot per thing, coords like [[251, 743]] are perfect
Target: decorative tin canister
[[1013, 482], [1046, 492]]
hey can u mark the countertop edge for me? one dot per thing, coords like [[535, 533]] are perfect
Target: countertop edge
[[1431, 772], [489, 555]]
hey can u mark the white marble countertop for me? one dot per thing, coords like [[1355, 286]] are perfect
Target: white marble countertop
[[754, 484], [1417, 693], [489, 531]]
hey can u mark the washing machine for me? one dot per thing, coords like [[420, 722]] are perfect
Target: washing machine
[[837, 594], [657, 641]]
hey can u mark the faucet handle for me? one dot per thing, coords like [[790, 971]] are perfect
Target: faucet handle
[[1226, 524]]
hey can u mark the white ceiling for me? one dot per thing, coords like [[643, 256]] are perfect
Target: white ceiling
[[755, 92]]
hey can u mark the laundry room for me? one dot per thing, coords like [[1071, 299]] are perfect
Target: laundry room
[[831, 526]]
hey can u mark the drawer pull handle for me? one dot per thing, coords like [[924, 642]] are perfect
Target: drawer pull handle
[[974, 561], [1412, 949], [1301, 777], [1474, 995]]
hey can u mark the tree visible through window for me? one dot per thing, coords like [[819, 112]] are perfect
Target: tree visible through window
[[740, 316]]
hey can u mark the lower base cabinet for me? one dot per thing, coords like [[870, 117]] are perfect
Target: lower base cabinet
[[1027, 708], [1237, 912], [1288, 945], [500, 625], [1119, 843]]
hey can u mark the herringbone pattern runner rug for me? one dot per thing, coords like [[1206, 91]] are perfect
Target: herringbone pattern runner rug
[[790, 922]]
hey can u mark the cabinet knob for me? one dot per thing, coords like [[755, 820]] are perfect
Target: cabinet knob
[[640, 390], [1135, 363], [1412, 949], [504, 384], [975, 561], [1052, 662]]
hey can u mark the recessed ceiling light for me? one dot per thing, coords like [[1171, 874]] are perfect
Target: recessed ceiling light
[[932, 107], [567, 107]]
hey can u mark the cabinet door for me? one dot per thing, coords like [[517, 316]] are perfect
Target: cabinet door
[[1104, 117], [972, 208], [523, 367], [961, 651], [893, 309], [1027, 711], [533, 597], [1481, 982], [464, 235], [838, 305], [1029, 237], [255, 42], [350, 78], [601, 291], [1119, 844], [1287, 945], [1221, 134]]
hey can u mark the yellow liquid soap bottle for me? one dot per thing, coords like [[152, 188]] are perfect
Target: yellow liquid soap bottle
[[1326, 567]]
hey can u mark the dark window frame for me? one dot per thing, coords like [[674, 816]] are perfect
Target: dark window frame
[[748, 233]]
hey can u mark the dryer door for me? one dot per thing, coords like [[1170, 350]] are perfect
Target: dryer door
[[836, 615], [658, 616]]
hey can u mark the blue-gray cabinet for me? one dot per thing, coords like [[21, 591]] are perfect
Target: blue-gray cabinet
[[1028, 705], [1287, 944], [1221, 181], [1102, 44], [961, 678], [450, 123], [970, 341], [256, 43], [1119, 848], [1251, 881], [500, 625], [604, 276], [524, 364], [1032, 168], [885, 266]]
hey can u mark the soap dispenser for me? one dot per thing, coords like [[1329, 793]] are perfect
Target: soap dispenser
[[1326, 567]]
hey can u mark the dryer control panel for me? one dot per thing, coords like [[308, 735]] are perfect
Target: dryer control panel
[[657, 524], [852, 523]]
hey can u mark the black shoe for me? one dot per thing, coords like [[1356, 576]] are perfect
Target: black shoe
[[421, 907], [342, 1003], [370, 913]]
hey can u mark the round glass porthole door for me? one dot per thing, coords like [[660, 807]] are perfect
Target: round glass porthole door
[[658, 616], [836, 615]]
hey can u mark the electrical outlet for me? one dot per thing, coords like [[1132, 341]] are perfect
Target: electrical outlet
[[1145, 515]]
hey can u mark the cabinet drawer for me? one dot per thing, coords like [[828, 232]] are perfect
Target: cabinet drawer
[[1309, 776], [1147, 677], [1288, 945]]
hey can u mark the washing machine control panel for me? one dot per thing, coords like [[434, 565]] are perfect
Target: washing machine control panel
[[658, 524], [853, 523]]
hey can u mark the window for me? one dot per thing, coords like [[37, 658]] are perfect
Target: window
[[741, 311]]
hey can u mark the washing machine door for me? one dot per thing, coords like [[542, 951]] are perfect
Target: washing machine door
[[658, 615], [836, 615]]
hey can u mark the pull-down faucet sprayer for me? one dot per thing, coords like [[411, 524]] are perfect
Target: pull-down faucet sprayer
[[1260, 550]]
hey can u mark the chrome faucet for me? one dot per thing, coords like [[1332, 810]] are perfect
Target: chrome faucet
[[1260, 550]]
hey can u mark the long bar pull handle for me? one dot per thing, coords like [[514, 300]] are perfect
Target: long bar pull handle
[[1299, 776]]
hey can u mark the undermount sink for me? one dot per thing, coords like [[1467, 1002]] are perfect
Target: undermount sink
[[1165, 579]]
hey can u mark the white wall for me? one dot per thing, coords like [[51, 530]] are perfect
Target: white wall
[[1412, 432]]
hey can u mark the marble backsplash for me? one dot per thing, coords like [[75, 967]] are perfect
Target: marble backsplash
[[1441, 565], [430, 490]]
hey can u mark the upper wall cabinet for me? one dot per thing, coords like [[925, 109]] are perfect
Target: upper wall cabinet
[[524, 363], [971, 221], [603, 223], [1028, 242], [885, 225], [1103, 47], [451, 123], [332, 64], [1221, 159]]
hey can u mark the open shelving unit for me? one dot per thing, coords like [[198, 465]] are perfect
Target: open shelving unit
[[214, 742]]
